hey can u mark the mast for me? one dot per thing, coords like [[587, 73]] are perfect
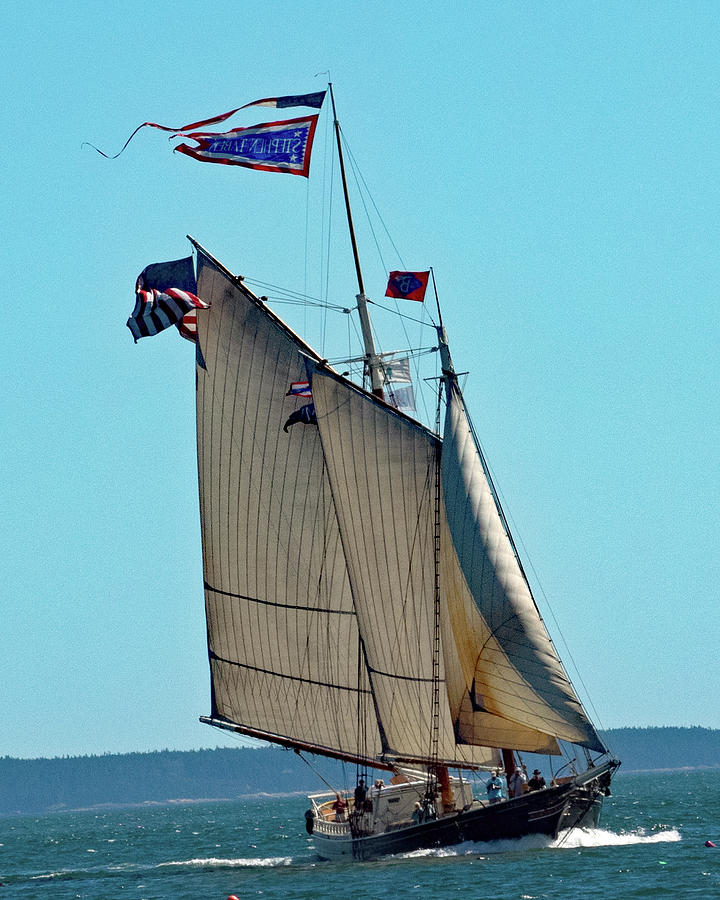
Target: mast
[[371, 357]]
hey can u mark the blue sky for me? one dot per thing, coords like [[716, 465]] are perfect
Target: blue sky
[[556, 164]]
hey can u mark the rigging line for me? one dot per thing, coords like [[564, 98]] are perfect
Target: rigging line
[[358, 337], [327, 783], [307, 247], [410, 351], [400, 315], [596, 715], [375, 207], [349, 336], [435, 717], [258, 282], [421, 351], [290, 294], [308, 304], [360, 178], [325, 261], [354, 168], [550, 609]]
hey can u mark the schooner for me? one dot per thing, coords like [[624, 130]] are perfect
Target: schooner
[[365, 599]]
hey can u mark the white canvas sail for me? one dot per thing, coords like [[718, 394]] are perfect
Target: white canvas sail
[[320, 566], [510, 664], [382, 469], [282, 632]]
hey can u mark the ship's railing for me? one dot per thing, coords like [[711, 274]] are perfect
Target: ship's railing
[[327, 826]]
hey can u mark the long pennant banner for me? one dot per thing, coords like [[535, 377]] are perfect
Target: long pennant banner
[[314, 100], [272, 146]]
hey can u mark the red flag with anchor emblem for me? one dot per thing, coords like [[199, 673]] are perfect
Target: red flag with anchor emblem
[[407, 285]]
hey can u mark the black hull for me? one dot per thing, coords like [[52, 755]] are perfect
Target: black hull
[[546, 812]]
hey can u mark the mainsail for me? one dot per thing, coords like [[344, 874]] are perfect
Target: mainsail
[[282, 632], [322, 569]]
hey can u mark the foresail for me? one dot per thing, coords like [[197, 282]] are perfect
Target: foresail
[[473, 725], [382, 470], [282, 633], [510, 666]]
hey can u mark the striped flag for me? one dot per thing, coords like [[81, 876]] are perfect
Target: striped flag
[[157, 310], [299, 389], [165, 295], [187, 326]]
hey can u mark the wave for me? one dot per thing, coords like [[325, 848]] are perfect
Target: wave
[[570, 840], [136, 868], [597, 837], [218, 863]]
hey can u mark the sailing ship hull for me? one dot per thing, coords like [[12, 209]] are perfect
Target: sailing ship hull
[[547, 812]]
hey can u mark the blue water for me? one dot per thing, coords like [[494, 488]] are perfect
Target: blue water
[[651, 844]]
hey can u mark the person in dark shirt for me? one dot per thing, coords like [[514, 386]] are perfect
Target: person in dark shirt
[[536, 782], [360, 794]]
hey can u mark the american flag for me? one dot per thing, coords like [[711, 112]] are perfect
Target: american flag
[[165, 295], [187, 326], [157, 310]]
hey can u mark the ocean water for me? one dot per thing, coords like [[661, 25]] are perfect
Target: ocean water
[[651, 845]]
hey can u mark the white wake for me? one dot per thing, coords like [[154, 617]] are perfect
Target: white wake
[[570, 840], [242, 863]]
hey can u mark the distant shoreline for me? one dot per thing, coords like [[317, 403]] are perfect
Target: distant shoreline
[[284, 795], [175, 777]]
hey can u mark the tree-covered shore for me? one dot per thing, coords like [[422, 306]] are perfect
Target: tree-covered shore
[[30, 786]]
